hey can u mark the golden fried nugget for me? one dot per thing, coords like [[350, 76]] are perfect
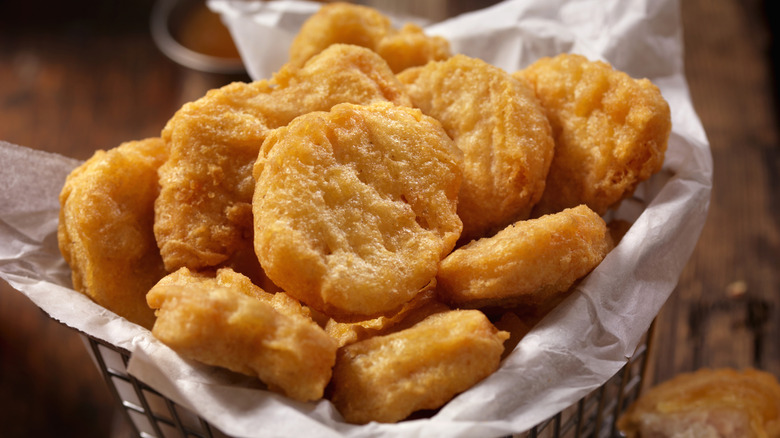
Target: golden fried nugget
[[203, 213], [529, 263], [418, 308], [227, 277], [707, 403], [410, 47], [611, 131], [222, 322], [344, 23], [502, 130], [355, 207], [105, 227], [386, 378]]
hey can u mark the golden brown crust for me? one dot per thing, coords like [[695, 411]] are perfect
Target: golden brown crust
[[203, 213], [105, 227], [611, 131], [418, 308], [502, 130], [386, 378], [410, 47], [226, 322], [529, 263], [709, 402], [354, 208], [344, 23]]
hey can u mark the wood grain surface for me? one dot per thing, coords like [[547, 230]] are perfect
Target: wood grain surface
[[73, 80]]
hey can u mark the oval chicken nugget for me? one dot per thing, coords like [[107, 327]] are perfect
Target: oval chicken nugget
[[386, 378], [499, 125], [344, 23], [611, 131], [529, 264], [218, 321], [707, 403], [105, 227], [355, 207], [203, 213]]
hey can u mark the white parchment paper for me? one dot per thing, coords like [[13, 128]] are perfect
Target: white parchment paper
[[574, 350]]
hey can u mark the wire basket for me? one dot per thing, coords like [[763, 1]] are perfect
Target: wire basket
[[150, 414]]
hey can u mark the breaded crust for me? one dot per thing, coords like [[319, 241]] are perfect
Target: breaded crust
[[422, 305], [708, 402], [203, 214], [530, 263], [502, 130], [105, 227], [345, 23], [386, 378], [217, 323], [611, 131], [355, 207]]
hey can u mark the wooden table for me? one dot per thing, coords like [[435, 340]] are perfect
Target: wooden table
[[72, 82]]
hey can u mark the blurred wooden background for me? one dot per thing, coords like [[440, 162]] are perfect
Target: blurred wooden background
[[75, 79]]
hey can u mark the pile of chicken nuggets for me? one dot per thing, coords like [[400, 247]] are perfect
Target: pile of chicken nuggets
[[372, 223]]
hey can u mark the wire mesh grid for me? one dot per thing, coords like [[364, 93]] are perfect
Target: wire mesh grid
[[596, 414], [150, 414]]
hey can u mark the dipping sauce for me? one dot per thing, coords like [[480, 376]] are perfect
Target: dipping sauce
[[202, 31]]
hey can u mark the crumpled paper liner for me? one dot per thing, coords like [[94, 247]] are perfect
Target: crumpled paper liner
[[573, 351]]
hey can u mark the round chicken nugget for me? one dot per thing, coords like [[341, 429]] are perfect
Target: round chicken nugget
[[528, 264], [611, 131], [499, 125], [707, 403], [203, 213], [354, 208], [344, 23], [105, 227]]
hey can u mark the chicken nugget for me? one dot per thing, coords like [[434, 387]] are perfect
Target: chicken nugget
[[611, 131], [203, 213], [707, 403], [531, 263], [418, 308], [411, 47], [386, 378], [227, 277], [215, 321], [355, 207], [105, 227], [344, 23], [502, 130]]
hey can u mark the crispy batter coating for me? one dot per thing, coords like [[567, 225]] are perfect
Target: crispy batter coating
[[418, 308], [203, 213], [611, 131], [355, 207], [410, 47], [529, 263], [344, 23], [228, 323], [502, 130], [227, 277], [105, 227], [707, 403], [386, 378]]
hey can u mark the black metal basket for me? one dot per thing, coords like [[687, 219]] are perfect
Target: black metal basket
[[150, 414]]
